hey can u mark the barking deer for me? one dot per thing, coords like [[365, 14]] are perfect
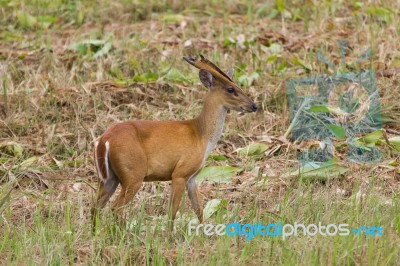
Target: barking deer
[[133, 152]]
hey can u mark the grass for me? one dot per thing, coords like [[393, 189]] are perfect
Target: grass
[[68, 70]]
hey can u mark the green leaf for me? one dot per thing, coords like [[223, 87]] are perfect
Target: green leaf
[[326, 109], [175, 75], [338, 131], [246, 80], [314, 171], [147, 77], [358, 5], [380, 12], [46, 21], [217, 157], [271, 58], [319, 109], [395, 141], [211, 207], [253, 149], [150, 76], [103, 50], [96, 48], [297, 61], [372, 138], [28, 162], [220, 174], [280, 5], [229, 41], [274, 48], [361, 145], [26, 20], [173, 18]]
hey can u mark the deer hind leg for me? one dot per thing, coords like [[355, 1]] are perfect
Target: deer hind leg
[[126, 195], [102, 198], [129, 164], [106, 190]]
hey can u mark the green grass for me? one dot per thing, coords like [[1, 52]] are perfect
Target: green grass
[[61, 234], [70, 69]]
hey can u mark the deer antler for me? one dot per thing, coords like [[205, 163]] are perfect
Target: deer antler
[[203, 63]]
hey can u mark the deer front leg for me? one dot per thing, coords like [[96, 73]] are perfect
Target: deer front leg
[[177, 189], [195, 198]]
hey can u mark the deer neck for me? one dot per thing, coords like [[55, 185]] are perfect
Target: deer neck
[[210, 122]]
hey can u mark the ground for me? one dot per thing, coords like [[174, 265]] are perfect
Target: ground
[[70, 69]]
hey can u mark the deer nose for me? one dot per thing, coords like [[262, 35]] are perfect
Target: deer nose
[[254, 107]]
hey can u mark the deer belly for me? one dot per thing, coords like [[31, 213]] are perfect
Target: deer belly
[[159, 170]]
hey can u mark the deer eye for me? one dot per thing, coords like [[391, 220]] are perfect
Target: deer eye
[[230, 90]]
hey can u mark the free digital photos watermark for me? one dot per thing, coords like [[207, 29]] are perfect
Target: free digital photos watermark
[[249, 231]]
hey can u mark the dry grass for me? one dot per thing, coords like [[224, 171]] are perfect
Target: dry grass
[[59, 100]]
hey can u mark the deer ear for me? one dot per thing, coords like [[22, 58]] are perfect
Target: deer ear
[[230, 72], [206, 78]]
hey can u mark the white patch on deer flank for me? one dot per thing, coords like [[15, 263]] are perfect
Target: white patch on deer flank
[[106, 160]]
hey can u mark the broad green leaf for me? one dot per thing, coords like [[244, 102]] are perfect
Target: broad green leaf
[[372, 138], [253, 149], [326, 109], [314, 171], [338, 131], [395, 141], [211, 207], [246, 80], [319, 109], [361, 145], [220, 174]]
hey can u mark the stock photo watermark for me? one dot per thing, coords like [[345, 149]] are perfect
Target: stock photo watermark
[[249, 231]]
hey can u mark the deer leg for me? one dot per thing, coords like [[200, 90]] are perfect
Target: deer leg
[[195, 198], [101, 200], [178, 187], [127, 193]]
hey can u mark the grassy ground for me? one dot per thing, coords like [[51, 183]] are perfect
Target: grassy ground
[[70, 69]]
